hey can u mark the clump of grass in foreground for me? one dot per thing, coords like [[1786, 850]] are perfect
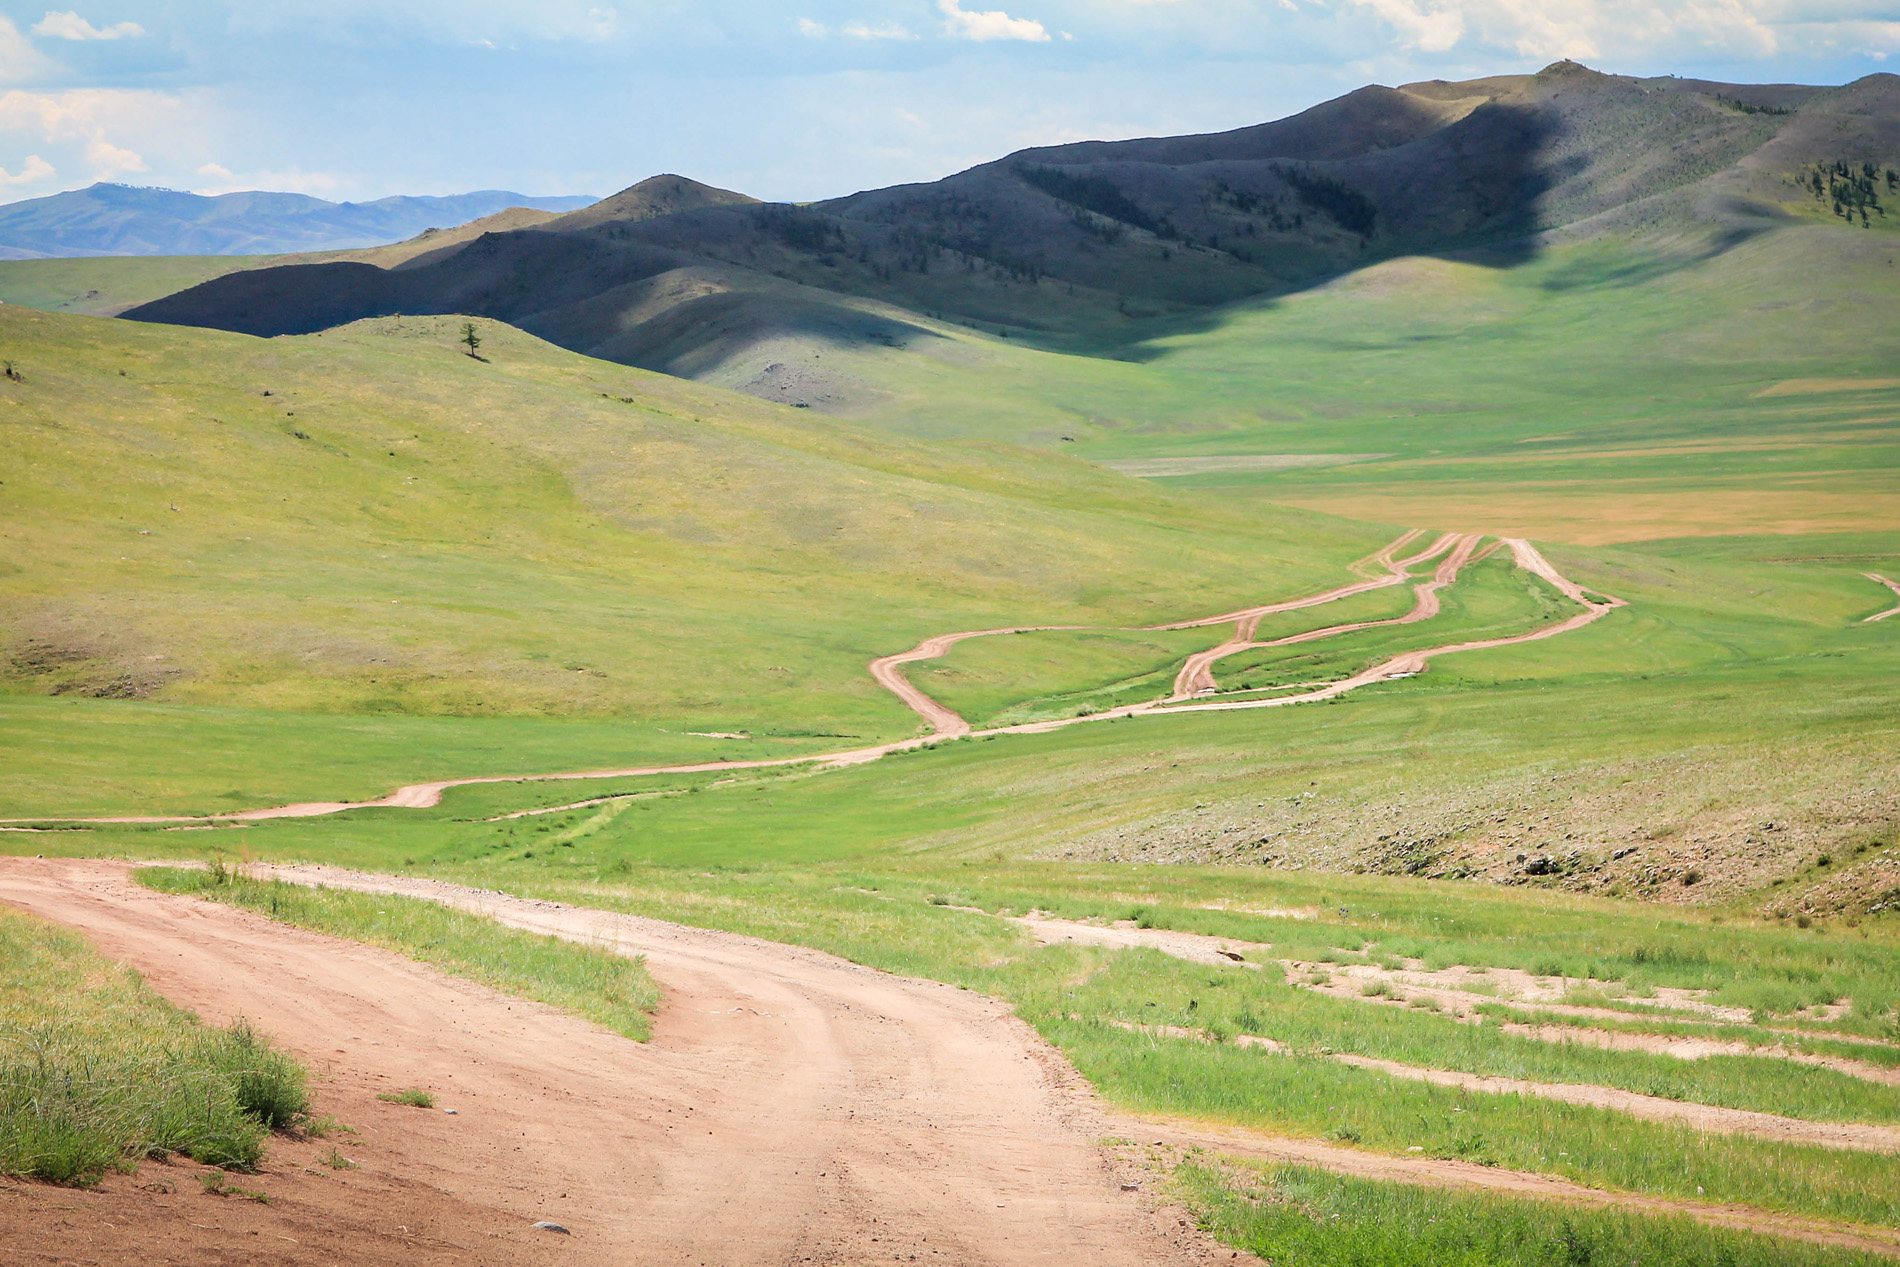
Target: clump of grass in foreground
[[610, 989], [414, 1097], [96, 1071], [1313, 1219]]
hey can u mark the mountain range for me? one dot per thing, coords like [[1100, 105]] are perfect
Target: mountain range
[[1095, 246], [108, 219]]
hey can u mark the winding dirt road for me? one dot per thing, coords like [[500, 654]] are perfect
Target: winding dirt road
[[887, 671], [1890, 584], [1197, 675], [792, 1107]]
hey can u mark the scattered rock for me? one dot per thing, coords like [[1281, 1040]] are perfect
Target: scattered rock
[[545, 1226]]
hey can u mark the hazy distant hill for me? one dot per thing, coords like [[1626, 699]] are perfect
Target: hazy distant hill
[[123, 220], [1081, 245]]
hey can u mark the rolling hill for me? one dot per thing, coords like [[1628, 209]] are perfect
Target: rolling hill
[[1095, 246], [109, 219]]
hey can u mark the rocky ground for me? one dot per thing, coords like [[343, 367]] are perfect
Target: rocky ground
[[1692, 829]]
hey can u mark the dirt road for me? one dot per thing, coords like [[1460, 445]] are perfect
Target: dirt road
[[948, 725], [943, 722], [1197, 675], [792, 1107], [1890, 584]]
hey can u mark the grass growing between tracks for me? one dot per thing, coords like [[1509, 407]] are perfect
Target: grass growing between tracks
[[1149, 988], [608, 989], [1492, 599], [1297, 1216], [97, 1071], [1013, 678], [1076, 995]]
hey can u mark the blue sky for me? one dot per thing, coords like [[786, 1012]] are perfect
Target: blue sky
[[783, 99]]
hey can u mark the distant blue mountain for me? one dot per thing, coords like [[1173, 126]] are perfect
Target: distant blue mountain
[[126, 220]]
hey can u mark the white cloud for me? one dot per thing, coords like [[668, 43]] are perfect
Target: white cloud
[[316, 184], [88, 120], [1430, 30], [216, 171], [994, 25], [70, 26], [884, 31], [811, 29], [32, 172], [19, 60], [1605, 29]]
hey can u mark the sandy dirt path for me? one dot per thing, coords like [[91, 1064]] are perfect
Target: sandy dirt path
[[1652, 1108], [943, 722], [1412, 663], [1197, 675], [1700, 1049], [792, 1107], [946, 723], [1435, 1172], [1890, 584]]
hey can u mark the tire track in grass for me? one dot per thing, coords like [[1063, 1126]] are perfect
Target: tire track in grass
[[1892, 585], [791, 1106], [868, 1085], [1408, 664]]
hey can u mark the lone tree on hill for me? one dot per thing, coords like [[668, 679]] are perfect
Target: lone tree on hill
[[470, 337]]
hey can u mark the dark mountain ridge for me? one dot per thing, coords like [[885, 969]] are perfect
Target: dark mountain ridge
[[1075, 245], [109, 219]]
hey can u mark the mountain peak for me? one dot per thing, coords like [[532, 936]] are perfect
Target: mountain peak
[[656, 196]]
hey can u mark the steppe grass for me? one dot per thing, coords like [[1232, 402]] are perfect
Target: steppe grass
[[1314, 1097], [1782, 1035], [1013, 678], [1080, 998], [1149, 988], [609, 989], [1380, 604], [104, 285], [1297, 1215], [367, 522], [97, 1071], [1616, 390], [1492, 599]]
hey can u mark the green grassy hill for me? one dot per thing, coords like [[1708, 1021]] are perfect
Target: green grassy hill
[[371, 522]]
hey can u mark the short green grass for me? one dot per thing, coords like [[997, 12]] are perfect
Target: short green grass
[[1492, 599], [1602, 391], [98, 1072], [609, 989], [366, 523], [102, 286], [1013, 678], [1295, 1215]]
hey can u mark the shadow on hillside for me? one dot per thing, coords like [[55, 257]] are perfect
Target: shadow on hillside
[[1473, 193]]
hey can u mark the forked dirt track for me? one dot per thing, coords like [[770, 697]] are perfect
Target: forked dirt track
[[1891, 611], [792, 1107], [946, 724], [1197, 675]]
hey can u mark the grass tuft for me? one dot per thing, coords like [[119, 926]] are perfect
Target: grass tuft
[[1296, 1215], [609, 989], [97, 1072]]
